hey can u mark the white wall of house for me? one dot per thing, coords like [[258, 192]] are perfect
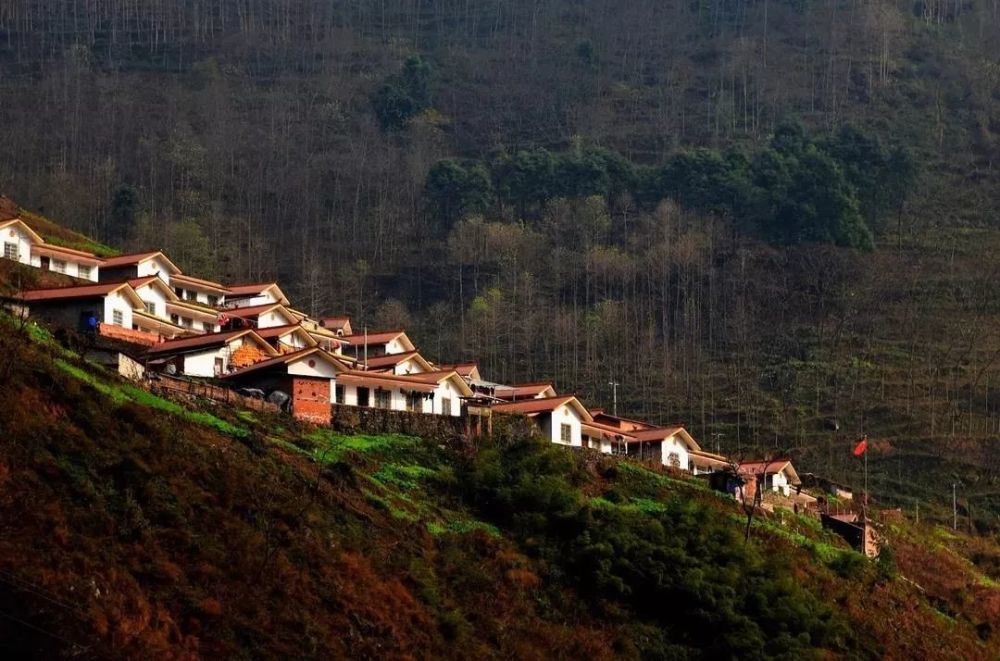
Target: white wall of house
[[779, 483], [408, 366], [292, 339], [202, 363], [446, 390], [117, 302], [17, 241], [394, 346], [153, 266], [151, 294], [66, 265], [397, 400], [675, 448], [187, 293], [563, 415], [272, 319], [264, 298]]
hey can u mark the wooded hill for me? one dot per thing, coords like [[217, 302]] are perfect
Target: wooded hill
[[772, 221]]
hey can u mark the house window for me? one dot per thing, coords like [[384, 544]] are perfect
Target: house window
[[383, 398], [83, 271], [175, 320], [179, 291], [674, 460], [363, 397], [338, 394], [220, 366], [213, 301], [117, 318], [10, 250], [191, 295], [187, 323], [566, 433], [58, 266], [446, 406], [413, 402], [150, 307], [207, 326]]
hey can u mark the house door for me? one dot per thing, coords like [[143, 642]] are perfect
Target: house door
[[363, 397], [45, 264]]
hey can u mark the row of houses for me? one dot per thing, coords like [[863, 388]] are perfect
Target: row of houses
[[250, 337]]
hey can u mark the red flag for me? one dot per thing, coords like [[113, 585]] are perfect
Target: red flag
[[862, 445]]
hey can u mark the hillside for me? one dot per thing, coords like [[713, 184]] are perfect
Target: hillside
[[505, 180], [141, 527]]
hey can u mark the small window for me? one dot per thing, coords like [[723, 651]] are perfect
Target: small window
[[83, 271], [207, 326], [58, 266], [150, 307], [566, 433], [383, 399], [179, 291], [220, 366], [674, 460], [338, 394], [191, 295], [187, 323], [213, 301], [10, 251], [117, 318], [413, 403], [446, 406], [175, 320], [363, 395]]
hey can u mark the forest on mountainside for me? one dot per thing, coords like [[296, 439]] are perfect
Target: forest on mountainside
[[772, 221]]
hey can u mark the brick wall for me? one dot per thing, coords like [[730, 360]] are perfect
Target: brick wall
[[311, 400]]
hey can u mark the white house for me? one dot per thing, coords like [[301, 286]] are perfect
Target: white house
[[212, 354], [197, 290], [268, 315], [383, 391], [560, 418], [446, 398], [408, 362], [779, 475], [306, 376], [252, 295], [138, 265], [76, 263], [108, 304], [288, 338], [521, 391], [340, 326], [18, 239], [362, 345]]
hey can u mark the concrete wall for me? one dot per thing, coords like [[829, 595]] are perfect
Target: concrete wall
[[675, 446], [151, 294], [552, 425], [115, 301], [155, 266], [23, 242]]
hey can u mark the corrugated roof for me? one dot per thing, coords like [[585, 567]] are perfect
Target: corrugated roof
[[129, 260], [542, 405], [209, 284], [287, 358], [379, 337], [82, 291]]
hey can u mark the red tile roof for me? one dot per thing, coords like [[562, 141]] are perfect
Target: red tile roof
[[87, 257], [390, 360], [378, 337], [129, 260], [205, 341], [520, 390], [61, 293], [208, 284], [251, 288], [253, 310], [533, 406]]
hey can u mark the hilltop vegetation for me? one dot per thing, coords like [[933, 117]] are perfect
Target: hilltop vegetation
[[590, 192], [138, 526]]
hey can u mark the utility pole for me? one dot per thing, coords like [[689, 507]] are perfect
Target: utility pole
[[717, 435], [954, 506], [614, 401]]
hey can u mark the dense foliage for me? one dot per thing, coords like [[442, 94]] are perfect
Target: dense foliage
[[676, 562], [798, 189]]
